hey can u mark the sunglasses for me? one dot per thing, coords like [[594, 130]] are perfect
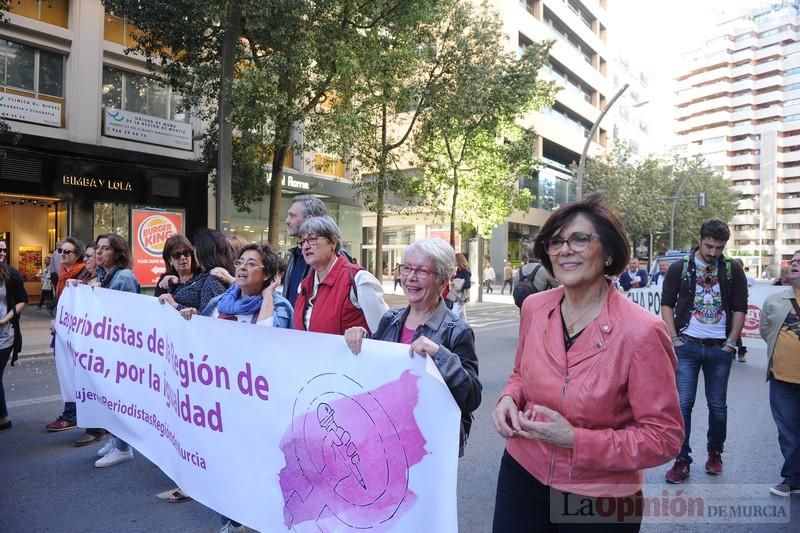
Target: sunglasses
[[178, 255], [64, 251]]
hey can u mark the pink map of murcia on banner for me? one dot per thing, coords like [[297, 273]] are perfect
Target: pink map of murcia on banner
[[347, 460]]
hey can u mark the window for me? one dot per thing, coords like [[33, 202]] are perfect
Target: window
[[141, 94], [30, 69], [795, 70], [791, 87], [51, 11], [791, 118]]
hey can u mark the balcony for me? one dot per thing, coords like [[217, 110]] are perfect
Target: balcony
[[749, 159], [745, 144], [789, 187]]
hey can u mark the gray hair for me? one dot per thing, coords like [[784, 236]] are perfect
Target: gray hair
[[323, 226], [312, 206], [530, 252], [441, 254]]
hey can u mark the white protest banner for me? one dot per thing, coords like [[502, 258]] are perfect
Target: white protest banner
[[650, 299], [280, 430]]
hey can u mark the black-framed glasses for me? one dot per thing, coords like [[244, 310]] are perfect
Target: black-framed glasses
[[178, 255], [64, 251], [422, 273], [577, 242], [249, 264], [311, 240], [3, 250]]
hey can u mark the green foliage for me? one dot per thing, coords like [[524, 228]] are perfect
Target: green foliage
[[471, 149], [641, 192]]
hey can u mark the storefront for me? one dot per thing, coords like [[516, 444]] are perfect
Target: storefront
[[50, 189]]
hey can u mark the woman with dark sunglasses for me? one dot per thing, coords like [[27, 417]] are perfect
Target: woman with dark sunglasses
[[180, 265]]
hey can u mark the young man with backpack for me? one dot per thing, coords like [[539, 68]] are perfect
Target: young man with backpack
[[531, 278]]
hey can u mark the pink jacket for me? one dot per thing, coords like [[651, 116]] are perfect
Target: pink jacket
[[616, 386]]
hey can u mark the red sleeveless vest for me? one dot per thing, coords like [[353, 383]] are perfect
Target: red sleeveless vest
[[333, 310]]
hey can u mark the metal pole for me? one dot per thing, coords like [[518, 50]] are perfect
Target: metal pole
[[672, 218], [582, 162]]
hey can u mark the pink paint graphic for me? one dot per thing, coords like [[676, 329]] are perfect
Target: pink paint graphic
[[348, 453]]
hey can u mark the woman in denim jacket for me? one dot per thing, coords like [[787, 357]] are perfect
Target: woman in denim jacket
[[430, 328]]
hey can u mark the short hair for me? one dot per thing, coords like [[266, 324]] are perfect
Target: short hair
[[122, 254], [212, 250], [237, 243], [530, 252], [607, 224], [323, 226], [174, 243], [715, 229], [79, 250], [312, 206], [441, 254], [268, 257]]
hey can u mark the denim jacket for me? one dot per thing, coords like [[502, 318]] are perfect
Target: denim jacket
[[456, 358], [123, 279]]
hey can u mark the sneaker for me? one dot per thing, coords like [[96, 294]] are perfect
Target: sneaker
[[784, 489], [230, 528], [105, 448], [60, 424], [91, 436], [742, 358], [114, 457], [714, 463], [678, 472]]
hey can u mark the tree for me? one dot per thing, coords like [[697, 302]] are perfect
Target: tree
[[642, 192], [288, 56], [471, 149]]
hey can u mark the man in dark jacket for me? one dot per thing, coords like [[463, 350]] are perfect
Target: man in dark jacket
[[703, 304], [303, 206]]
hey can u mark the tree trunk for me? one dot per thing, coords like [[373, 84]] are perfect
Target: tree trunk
[[283, 134], [453, 210], [223, 200], [381, 192]]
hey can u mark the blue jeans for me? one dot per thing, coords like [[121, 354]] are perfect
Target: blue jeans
[[784, 400], [716, 366]]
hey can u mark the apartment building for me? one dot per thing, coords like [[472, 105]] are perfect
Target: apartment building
[[738, 105], [579, 64], [94, 146]]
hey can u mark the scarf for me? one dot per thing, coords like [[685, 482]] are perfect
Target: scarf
[[68, 273], [233, 303]]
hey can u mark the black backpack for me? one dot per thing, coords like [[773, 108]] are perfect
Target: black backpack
[[525, 286]]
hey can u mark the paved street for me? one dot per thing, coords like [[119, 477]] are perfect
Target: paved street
[[54, 487]]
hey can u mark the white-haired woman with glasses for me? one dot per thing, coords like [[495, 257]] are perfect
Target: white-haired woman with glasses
[[429, 327], [336, 294]]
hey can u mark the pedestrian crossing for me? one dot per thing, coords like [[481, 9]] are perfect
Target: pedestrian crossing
[[489, 316]]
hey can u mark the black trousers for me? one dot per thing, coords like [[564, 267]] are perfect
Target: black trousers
[[523, 504], [5, 354]]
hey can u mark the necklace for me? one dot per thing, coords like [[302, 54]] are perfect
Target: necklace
[[571, 323]]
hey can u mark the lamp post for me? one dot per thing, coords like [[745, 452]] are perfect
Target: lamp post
[[582, 162]]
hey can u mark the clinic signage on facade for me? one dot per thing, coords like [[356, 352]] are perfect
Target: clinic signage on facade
[[146, 129], [26, 109], [150, 229]]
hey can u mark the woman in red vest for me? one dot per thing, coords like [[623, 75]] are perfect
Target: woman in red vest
[[336, 294]]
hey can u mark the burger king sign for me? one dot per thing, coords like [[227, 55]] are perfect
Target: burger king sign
[[151, 229]]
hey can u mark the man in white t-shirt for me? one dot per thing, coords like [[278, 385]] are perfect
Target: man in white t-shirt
[[703, 304]]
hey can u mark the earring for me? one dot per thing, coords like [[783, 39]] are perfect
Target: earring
[[608, 261]]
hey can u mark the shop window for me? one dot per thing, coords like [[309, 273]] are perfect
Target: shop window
[[54, 12], [29, 69], [141, 94]]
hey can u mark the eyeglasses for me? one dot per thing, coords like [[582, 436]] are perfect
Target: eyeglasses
[[178, 255], [794, 262], [249, 264], [311, 240], [64, 251], [3, 250], [577, 242], [422, 273]]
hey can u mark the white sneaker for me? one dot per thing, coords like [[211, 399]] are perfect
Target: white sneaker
[[105, 448], [114, 457]]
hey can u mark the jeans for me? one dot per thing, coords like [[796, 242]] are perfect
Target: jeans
[[70, 412], [5, 354], [523, 504], [784, 400], [716, 366], [507, 283]]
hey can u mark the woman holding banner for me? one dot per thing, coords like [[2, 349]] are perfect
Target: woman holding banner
[[180, 265], [336, 294], [780, 329], [591, 402], [13, 300], [429, 327], [114, 272]]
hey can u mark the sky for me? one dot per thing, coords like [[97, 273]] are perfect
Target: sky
[[654, 34]]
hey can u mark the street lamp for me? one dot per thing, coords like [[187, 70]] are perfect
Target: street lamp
[[582, 162]]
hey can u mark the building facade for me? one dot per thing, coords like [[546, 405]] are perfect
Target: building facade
[[738, 105], [93, 142]]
